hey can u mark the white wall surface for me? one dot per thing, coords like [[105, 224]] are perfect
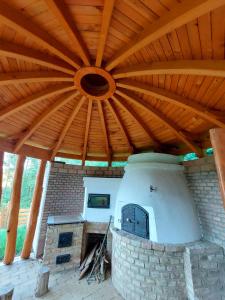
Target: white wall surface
[[97, 185], [172, 214]]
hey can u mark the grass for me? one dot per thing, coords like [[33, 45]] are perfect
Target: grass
[[19, 241]]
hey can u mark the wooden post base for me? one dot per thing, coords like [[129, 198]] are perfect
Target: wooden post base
[[42, 282], [6, 292]]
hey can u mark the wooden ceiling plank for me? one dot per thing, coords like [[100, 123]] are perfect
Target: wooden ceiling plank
[[19, 52], [60, 10], [120, 124], [106, 19], [180, 67], [43, 117], [49, 92], [23, 25], [34, 76], [173, 98], [180, 14], [67, 126], [87, 128], [163, 119], [133, 115], [103, 124]]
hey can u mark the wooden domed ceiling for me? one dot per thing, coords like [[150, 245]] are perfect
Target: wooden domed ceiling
[[98, 80]]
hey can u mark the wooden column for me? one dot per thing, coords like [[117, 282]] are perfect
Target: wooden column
[[1, 172], [35, 205], [217, 137], [14, 212]]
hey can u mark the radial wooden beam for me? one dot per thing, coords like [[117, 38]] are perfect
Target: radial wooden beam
[[217, 137], [35, 76], [14, 212], [67, 126], [25, 26], [36, 57], [1, 172], [106, 18], [60, 10], [105, 134], [180, 14], [21, 104], [172, 98], [120, 124], [182, 67], [133, 115], [43, 117], [87, 127], [163, 119], [34, 211]]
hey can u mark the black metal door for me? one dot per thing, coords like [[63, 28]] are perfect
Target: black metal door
[[135, 220]]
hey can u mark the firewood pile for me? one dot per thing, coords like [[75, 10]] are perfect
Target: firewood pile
[[95, 263]]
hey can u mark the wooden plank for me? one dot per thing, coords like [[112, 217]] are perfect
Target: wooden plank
[[106, 19], [87, 127], [120, 124], [33, 56], [25, 26], [105, 134], [43, 117], [10, 247], [133, 115], [179, 15], [49, 92], [67, 126], [184, 67], [163, 119], [164, 95], [33, 76], [60, 10], [34, 211], [217, 137]]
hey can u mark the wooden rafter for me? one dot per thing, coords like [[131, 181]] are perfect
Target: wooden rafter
[[49, 92], [43, 117], [120, 124], [173, 98], [106, 18], [103, 124], [17, 21], [27, 77], [180, 14], [67, 126], [183, 67], [60, 10], [87, 127], [19, 52], [163, 119], [133, 115]]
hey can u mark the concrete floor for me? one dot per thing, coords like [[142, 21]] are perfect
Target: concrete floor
[[63, 285]]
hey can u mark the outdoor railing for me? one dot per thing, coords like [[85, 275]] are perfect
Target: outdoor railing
[[23, 216]]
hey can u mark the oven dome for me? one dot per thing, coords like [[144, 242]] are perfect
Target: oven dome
[[157, 183]]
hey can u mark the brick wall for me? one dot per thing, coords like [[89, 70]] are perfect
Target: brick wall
[[203, 183], [65, 192]]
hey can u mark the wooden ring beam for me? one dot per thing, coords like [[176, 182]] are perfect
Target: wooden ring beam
[[95, 83]]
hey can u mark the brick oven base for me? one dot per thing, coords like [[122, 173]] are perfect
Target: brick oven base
[[142, 270]]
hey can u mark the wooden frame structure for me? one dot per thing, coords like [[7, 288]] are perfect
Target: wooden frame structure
[[96, 82]]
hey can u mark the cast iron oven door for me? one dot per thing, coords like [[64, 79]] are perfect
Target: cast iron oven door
[[135, 220]]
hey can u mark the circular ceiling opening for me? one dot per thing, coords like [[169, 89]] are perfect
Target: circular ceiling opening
[[94, 84]]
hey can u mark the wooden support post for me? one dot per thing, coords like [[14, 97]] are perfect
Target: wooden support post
[[42, 282], [35, 205], [217, 137], [1, 172], [14, 212]]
